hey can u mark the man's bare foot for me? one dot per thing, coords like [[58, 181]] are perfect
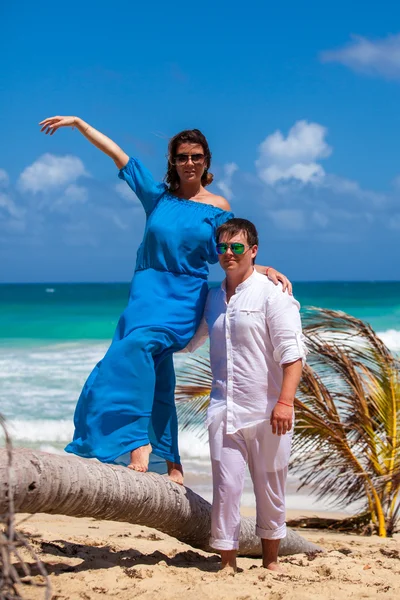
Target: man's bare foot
[[228, 562], [140, 458], [274, 566], [175, 472], [226, 571], [270, 555]]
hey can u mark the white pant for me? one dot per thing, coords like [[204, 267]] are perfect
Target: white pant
[[268, 457]]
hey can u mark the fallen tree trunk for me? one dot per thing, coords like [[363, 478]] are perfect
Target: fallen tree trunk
[[77, 487]]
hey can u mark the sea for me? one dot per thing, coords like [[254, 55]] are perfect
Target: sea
[[51, 336]]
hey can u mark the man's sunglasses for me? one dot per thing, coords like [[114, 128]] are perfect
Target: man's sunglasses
[[183, 159], [236, 247]]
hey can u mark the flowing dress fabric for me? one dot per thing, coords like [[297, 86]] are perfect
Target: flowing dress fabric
[[128, 399]]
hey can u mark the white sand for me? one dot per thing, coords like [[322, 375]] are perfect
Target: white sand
[[89, 560]]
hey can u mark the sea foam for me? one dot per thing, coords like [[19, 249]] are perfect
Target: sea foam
[[47, 432], [391, 338], [40, 430]]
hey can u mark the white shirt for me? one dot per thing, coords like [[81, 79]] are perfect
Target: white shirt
[[251, 337]]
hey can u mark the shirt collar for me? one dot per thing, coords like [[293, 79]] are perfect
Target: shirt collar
[[242, 285]]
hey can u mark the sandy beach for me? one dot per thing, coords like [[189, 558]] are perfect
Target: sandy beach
[[89, 559]]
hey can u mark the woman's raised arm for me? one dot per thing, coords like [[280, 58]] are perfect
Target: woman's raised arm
[[98, 139]]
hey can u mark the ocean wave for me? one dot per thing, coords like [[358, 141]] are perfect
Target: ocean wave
[[45, 381], [45, 432], [193, 447], [391, 338], [51, 449], [40, 430]]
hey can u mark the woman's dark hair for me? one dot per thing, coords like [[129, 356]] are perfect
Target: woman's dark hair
[[189, 136]]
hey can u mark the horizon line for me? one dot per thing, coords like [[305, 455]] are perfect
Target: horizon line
[[127, 282]]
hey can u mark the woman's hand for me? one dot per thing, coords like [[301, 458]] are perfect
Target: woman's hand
[[282, 418], [51, 124], [98, 139], [275, 277]]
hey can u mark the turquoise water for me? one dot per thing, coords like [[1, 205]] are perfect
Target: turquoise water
[[52, 335], [90, 311]]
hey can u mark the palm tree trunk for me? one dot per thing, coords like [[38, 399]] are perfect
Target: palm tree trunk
[[78, 487]]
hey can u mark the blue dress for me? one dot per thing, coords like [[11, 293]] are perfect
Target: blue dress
[[128, 399]]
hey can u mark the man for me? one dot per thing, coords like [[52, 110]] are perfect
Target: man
[[256, 354]]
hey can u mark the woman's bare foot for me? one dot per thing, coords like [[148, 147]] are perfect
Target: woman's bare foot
[[140, 458], [175, 472]]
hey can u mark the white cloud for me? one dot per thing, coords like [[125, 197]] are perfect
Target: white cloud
[[294, 157], [378, 57], [7, 204], [343, 186], [50, 171], [125, 192], [73, 194], [305, 173], [225, 184], [4, 180], [290, 163], [304, 143], [76, 194], [288, 219]]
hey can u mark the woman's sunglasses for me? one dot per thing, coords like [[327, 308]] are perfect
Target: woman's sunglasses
[[183, 159], [236, 247]]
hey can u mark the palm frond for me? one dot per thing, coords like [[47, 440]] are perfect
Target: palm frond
[[192, 393], [362, 376]]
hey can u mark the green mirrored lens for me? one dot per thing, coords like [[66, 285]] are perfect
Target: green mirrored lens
[[237, 248], [222, 248]]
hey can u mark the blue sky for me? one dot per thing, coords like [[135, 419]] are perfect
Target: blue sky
[[299, 102]]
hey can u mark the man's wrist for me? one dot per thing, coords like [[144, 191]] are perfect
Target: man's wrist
[[286, 401]]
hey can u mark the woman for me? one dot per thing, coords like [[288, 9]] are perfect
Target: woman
[[127, 403]]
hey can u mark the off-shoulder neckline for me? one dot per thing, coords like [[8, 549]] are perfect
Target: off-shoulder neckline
[[186, 201], [172, 196]]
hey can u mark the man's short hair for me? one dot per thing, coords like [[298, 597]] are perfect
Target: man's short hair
[[235, 226]]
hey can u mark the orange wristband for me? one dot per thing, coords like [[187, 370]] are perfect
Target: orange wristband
[[285, 403], [266, 271]]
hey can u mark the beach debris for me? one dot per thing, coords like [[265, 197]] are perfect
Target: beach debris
[[151, 536], [14, 571], [135, 573], [324, 570], [390, 553]]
